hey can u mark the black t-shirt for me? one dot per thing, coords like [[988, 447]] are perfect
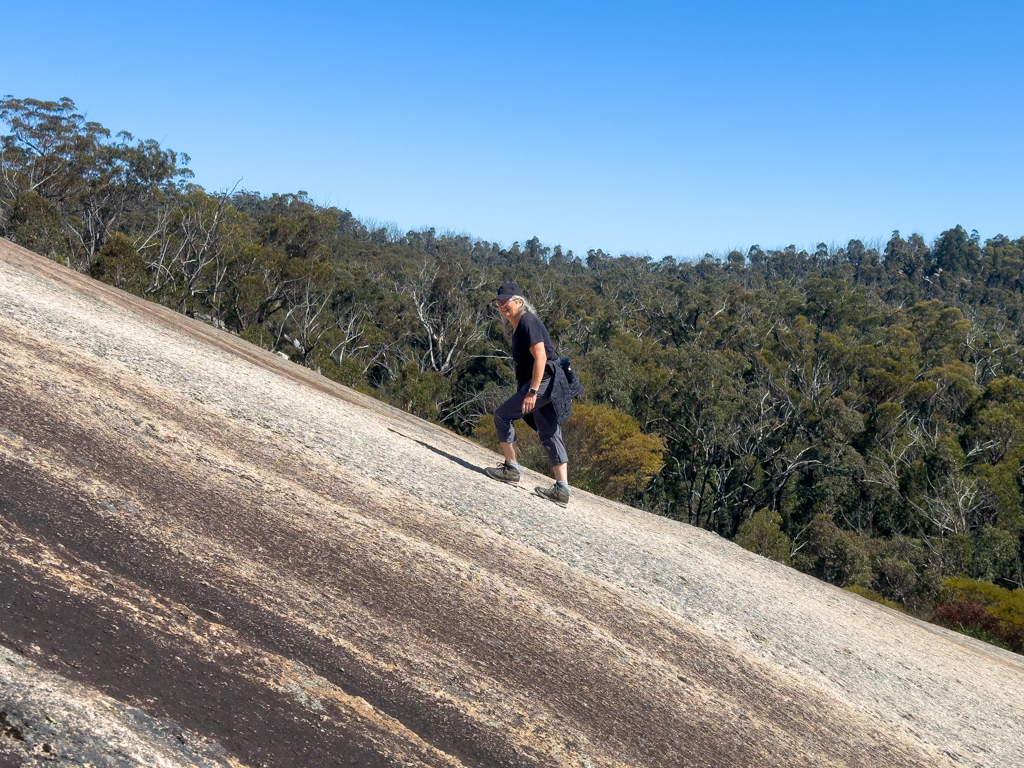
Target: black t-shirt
[[530, 331]]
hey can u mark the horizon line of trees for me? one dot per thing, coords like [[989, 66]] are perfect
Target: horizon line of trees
[[855, 411]]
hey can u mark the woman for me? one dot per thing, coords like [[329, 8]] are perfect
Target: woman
[[543, 398]]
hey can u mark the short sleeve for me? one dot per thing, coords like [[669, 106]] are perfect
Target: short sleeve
[[534, 331]]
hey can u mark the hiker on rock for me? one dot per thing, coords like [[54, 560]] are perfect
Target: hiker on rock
[[543, 400]]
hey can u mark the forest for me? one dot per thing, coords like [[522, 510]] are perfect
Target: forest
[[855, 412]]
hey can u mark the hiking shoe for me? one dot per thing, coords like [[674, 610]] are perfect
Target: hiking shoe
[[556, 493], [504, 473]]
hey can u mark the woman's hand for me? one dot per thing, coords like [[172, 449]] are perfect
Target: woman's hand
[[529, 403]]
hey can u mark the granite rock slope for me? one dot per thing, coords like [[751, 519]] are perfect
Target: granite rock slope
[[46, 718], [202, 539]]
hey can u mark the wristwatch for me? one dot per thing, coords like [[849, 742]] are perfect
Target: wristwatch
[[534, 391]]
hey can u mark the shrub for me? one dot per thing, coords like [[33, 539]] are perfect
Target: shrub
[[834, 555], [611, 456], [995, 553], [985, 607], [970, 619], [258, 335], [1010, 613], [897, 579], [419, 392], [608, 454], [351, 372], [120, 265], [35, 224], [762, 534], [962, 589], [955, 555]]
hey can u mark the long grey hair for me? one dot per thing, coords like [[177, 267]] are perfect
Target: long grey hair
[[528, 308]]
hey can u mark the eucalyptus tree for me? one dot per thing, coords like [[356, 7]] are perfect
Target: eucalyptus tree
[[63, 168]]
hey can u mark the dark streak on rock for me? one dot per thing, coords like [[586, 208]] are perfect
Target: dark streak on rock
[[102, 649]]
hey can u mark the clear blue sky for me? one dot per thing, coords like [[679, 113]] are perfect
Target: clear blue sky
[[659, 128]]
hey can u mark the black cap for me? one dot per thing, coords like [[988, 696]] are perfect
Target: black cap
[[508, 290]]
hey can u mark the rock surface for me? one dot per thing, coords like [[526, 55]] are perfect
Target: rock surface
[[46, 718], [210, 556]]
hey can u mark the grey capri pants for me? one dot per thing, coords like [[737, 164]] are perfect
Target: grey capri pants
[[543, 416]]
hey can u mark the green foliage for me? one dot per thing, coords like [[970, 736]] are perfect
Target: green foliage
[[762, 534], [120, 265], [994, 554], [35, 223], [898, 578], [92, 181], [258, 335], [419, 392], [957, 254], [1009, 612], [608, 454], [835, 555], [971, 591]]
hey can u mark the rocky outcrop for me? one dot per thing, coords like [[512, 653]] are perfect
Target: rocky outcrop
[[199, 538]]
